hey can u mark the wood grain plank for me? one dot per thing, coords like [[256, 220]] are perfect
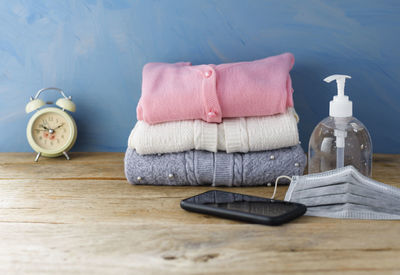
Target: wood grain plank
[[81, 166], [156, 248], [82, 217]]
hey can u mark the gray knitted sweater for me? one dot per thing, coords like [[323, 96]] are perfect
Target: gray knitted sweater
[[216, 169]]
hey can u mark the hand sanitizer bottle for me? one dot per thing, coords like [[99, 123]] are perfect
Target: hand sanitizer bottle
[[340, 139]]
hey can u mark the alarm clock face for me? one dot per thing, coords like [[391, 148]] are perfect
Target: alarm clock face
[[51, 131]]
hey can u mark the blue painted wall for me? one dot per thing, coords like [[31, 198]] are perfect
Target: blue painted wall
[[95, 51]]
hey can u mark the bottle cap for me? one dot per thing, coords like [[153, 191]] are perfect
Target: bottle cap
[[340, 106]]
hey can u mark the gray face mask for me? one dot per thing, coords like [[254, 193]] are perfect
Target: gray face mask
[[345, 193]]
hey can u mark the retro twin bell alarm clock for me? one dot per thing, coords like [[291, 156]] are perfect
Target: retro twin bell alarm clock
[[51, 131]]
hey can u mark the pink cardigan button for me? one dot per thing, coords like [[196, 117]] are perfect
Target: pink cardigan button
[[211, 114], [208, 74]]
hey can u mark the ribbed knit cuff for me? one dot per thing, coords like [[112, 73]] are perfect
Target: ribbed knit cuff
[[206, 136], [236, 137], [223, 169], [203, 164], [190, 167]]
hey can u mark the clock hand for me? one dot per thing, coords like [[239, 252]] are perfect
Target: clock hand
[[59, 126], [41, 125]]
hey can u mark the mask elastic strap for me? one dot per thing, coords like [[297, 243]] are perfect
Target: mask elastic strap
[[276, 184]]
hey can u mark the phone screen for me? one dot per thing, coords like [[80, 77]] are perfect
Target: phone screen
[[243, 203], [267, 208]]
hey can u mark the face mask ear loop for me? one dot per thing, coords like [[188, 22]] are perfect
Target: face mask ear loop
[[276, 184]]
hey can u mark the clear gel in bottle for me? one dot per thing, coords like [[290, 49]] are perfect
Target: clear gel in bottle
[[340, 139]]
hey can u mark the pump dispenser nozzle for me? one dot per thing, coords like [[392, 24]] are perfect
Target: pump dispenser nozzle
[[340, 106]]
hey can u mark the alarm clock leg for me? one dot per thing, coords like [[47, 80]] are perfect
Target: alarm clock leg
[[66, 155], [37, 156]]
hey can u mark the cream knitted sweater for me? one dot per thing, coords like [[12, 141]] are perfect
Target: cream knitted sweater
[[232, 135]]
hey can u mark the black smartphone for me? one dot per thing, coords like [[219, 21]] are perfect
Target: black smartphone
[[244, 207]]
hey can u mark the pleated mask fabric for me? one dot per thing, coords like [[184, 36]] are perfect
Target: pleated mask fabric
[[345, 193]]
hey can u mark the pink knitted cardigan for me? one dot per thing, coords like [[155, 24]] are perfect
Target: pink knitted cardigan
[[180, 91]]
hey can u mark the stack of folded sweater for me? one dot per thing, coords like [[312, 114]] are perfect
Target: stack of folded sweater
[[222, 125]]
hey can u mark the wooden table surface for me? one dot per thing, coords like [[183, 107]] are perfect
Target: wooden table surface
[[81, 216]]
